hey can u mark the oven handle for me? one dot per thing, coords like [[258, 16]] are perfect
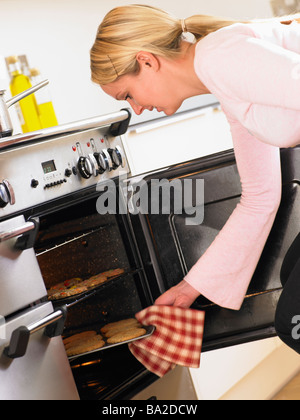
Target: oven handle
[[20, 230], [53, 324], [118, 123]]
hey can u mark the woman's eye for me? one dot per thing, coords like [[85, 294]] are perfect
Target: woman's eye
[[128, 97]]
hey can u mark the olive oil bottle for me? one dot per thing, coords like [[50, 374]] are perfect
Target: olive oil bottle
[[20, 82], [44, 104]]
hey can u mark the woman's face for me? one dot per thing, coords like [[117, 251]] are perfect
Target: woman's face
[[152, 88]]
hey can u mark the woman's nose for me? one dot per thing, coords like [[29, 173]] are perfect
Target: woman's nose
[[138, 109]]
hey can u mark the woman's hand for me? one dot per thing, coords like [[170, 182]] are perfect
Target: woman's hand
[[182, 295]]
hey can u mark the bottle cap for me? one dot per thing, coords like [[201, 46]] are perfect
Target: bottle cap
[[12, 59], [34, 72]]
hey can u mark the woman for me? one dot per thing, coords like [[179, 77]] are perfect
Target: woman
[[253, 68]]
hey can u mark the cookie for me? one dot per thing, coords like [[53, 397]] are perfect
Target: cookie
[[72, 282], [68, 292], [77, 285], [117, 329], [113, 272], [54, 294], [58, 286], [94, 281], [85, 335], [120, 324], [93, 343], [51, 293], [126, 335]]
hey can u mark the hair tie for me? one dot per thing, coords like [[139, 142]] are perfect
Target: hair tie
[[183, 25]]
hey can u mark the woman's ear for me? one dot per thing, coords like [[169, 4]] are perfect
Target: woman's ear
[[147, 60]]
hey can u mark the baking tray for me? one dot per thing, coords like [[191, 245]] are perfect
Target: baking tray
[[73, 300], [149, 331]]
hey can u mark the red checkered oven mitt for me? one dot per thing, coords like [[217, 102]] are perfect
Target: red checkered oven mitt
[[177, 339]]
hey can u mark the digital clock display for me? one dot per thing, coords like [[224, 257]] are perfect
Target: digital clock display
[[48, 166]]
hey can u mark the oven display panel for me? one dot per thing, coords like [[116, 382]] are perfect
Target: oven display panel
[[48, 166]]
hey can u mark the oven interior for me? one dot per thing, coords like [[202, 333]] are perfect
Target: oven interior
[[75, 242]]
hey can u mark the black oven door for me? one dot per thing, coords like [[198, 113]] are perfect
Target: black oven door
[[173, 247]]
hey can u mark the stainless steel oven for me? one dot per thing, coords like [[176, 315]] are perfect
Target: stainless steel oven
[[51, 230]]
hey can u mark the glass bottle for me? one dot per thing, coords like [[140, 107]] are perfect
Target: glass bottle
[[43, 99], [19, 83]]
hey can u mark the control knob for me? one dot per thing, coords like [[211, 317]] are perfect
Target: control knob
[[7, 195], [94, 164], [68, 172], [34, 183], [104, 161], [85, 167], [117, 157]]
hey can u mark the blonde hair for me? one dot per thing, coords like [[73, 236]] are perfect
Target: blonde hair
[[126, 30]]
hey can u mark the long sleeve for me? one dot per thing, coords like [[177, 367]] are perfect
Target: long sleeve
[[224, 272], [254, 71]]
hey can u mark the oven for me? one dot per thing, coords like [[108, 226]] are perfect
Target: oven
[[51, 231], [67, 215]]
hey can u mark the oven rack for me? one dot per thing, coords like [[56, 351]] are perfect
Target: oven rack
[[74, 300], [73, 239]]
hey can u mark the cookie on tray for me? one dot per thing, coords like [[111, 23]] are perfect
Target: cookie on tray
[[72, 282], [68, 292], [79, 338], [94, 281], [113, 272], [120, 324], [117, 329], [125, 335], [93, 343]]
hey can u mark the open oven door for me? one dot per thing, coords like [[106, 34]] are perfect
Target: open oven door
[[33, 362], [172, 246]]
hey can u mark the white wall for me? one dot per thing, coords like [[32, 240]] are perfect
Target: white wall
[[57, 35], [153, 146]]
